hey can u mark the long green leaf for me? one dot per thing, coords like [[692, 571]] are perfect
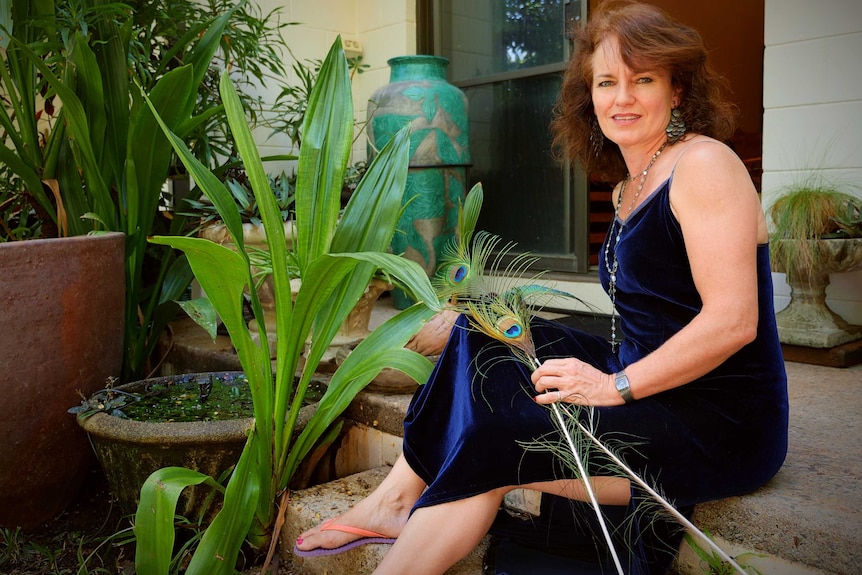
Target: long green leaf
[[223, 275], [382, 348], [223, 538], [154, 520], [368, 223], [209, 183], [272, 223], [323, 277], [73, 112], [327, 132], [204, 50], [148, 146], [411, 275]]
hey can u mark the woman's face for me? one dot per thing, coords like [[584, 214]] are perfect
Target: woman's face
[[633, 108]]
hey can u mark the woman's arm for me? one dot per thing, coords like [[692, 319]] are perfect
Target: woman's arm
[[722, 222]]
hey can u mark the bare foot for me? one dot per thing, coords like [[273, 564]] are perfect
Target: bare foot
[[372, 514]]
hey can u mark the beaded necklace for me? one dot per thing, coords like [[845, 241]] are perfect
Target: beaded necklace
[[612, 267]]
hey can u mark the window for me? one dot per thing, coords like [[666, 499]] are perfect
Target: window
[[508, 56]]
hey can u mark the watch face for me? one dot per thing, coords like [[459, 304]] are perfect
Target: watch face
[[622, 385]]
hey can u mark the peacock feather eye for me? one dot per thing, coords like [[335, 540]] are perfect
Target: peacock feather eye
[[510, 327], [458, 273]]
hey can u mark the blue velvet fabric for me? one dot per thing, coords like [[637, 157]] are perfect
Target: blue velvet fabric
[[723, 434]]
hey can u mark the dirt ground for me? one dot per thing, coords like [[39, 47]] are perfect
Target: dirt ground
[[91, 537]]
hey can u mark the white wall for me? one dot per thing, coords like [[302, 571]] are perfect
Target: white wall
[[812, 99]]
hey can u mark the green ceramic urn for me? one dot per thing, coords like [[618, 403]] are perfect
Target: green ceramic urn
[[419, 94]]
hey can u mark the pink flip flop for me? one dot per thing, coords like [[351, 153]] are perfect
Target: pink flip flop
[[366, 537]]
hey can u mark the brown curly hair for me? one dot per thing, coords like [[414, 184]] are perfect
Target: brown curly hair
[[648, 39]]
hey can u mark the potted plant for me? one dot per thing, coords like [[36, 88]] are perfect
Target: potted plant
[[817, 231], [336, 258], [136, 428], [82, 153]]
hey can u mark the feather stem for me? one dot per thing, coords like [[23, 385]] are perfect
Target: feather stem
[[655, 495], [586, 480]]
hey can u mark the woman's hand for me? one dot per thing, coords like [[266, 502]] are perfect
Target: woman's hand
[[572, 381]]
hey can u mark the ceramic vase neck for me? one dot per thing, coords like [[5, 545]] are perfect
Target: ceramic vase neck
[[419, 67]]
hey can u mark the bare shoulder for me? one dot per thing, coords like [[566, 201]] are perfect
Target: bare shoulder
[[712, 191], [705, 167], [706, 154]]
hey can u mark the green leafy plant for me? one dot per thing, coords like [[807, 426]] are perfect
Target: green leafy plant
[[282, 188], [806, 212], [82, 151], [337, 257]]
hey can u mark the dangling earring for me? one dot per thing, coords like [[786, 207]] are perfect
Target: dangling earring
[[675, 127], [597, 139]]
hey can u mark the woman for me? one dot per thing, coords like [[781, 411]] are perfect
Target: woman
[[698, 380]]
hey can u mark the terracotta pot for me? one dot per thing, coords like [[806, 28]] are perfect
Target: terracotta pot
[[61, 334], [129, 450]]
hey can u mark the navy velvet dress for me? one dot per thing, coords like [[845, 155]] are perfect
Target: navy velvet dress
[[721, 435]]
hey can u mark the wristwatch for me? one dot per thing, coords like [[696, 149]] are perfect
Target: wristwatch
[[622, 384]]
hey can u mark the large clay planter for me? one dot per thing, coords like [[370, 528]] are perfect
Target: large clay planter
[[61, 334], [807, 320], [129, 451]]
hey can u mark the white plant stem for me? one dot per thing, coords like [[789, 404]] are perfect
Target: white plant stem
[[586, 480], [655, 495]]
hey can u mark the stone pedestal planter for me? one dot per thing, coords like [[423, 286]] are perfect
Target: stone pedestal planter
[[807, 320]]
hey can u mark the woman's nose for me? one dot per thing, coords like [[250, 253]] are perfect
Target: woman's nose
[[623, 95]]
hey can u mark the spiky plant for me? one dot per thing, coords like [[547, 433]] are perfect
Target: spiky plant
[[806, 212]]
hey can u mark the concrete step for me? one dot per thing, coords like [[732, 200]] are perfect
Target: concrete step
[[806, 521], [310, 507]]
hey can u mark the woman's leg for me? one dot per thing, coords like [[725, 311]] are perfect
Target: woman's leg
[[385, 511], [607, 489], [436, 537]]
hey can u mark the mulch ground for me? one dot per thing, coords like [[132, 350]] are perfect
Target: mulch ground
[[91, 537]]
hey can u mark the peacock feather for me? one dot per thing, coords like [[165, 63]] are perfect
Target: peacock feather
[[485, 281]]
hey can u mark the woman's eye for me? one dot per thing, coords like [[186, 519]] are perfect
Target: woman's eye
[[604, 84], [644, 80]]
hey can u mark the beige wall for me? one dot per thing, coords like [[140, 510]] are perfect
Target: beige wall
[[384, 28], [812, 99]]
